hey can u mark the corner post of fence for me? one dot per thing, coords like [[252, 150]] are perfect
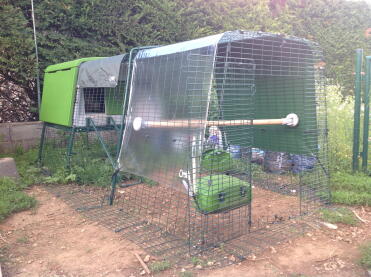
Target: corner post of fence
[[357, 108], [366, 120], [41, 146]]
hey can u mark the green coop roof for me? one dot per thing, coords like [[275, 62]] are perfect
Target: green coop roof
[[69, 64]]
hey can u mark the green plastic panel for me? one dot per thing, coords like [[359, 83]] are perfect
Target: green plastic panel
[[58, 97], [277, 77], [69, 64], [276, 97], [59, 92]]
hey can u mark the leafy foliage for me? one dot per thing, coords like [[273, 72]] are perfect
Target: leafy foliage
[[339, 27], [70, 29], [17, 93]]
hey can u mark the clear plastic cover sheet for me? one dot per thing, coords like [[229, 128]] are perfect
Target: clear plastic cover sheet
[[169, 83], [100, 73]]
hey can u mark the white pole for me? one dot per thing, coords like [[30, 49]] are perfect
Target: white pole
[[37, 58], [291, 120]]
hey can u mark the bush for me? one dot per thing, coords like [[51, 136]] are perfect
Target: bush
[[340, 125]]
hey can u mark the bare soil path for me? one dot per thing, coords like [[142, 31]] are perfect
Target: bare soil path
[[55, 240]]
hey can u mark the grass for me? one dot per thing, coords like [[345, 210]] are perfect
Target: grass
[[23, 240], [339, 215], [4, 254], [12, 198], [351, 189], [346, 188], [365, 260], [91, 168], [159, 266], [340, 112], [198, 261]]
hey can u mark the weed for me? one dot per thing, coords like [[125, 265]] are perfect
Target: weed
[[339, 215], [23, 239], [19, 150], [149, 182], [198, 261], [159, 266], [365, 260], [4, 254]]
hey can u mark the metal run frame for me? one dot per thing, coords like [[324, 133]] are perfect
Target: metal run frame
[[165, 219]]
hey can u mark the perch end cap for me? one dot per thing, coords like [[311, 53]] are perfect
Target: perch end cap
[[291, 120], [137, 123]]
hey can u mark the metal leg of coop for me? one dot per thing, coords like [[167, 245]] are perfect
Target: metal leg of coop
[[70, 147], [41, 146], [249, 222], [114, 181]]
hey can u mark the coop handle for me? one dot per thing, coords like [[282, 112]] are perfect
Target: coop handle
[[291, 120]]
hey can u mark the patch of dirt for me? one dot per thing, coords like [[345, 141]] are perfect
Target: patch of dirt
[[55, 240], [159, 203]]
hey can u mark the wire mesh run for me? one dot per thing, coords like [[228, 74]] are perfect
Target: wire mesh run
[[190, 127], [206, 125]]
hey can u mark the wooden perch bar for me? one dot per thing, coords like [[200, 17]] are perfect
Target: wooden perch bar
[[197, 123], [290, 120]]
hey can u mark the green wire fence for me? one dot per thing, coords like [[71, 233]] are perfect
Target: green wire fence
[[362, 85]]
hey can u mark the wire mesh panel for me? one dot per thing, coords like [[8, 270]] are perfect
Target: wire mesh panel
[[204, 125]]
